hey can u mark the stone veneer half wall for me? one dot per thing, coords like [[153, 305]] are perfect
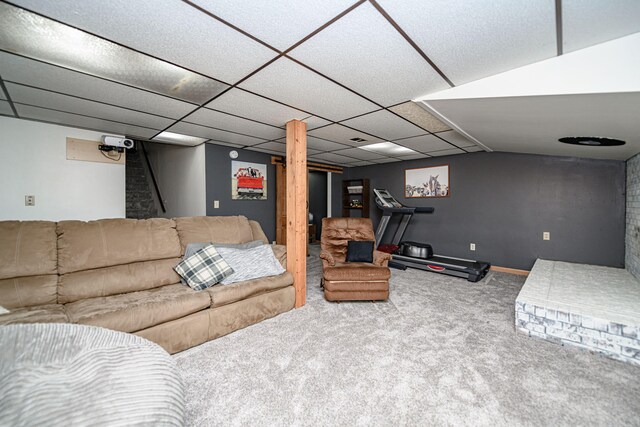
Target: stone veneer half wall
[[632, 233]]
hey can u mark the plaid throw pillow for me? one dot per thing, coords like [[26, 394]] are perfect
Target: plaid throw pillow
[[204, 268]]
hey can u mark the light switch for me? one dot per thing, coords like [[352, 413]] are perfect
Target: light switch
[[216, 204], [546, 235]]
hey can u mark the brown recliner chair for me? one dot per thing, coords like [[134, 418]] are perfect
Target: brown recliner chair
[[351, 281]]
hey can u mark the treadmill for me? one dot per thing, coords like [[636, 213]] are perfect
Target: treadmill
[[416, 255]]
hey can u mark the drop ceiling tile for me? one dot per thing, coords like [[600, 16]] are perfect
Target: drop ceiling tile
[[343, 135], [456, 139], [589, 22], [419, 116], [320, 144], [245, 104], [472, 39], [361, 163], [5, 108], [474, 149], [74, 120], [446, 152], [167, 29], [365, 53], [267, 19], [386, 160], [215, 134], [225, 144], [385, 125], [178, 139], [231, 123], [414, 156], [272, 146], [264, 150], [34, 73], [40, 38], [69, 104], [315, 122], [333, 158], [360, 154], [424, 143], [294, 85]]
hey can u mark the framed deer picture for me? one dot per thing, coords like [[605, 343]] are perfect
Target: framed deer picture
[[427, 182]]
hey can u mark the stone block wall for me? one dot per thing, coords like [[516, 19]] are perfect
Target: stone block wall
[[632, 234], [620, 342]]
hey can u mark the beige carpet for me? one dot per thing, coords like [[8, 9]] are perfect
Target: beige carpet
[[441, 351]]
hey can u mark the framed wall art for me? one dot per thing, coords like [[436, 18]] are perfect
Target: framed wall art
[[248, 181], [427, 182]]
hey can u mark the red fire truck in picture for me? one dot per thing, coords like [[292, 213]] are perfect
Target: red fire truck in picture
[[250, 183]]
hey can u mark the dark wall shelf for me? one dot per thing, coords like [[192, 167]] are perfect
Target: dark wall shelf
[[362, 197]]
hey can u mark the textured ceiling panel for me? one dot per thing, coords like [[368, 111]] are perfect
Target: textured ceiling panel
[[69, 104], [36, 37], [264, 150], [315, 122], [288, 82], [255, 107], [534, 124], [167, 29], [272, 146], [419, 116], [332, 158], [267, 20], [386, 160], [358, 153], [224, 121], [360, 163], [456, 139], [446, 152], [385, 125], [22, 70], [424, 143], [225, 144], [215, 134], [320, 144], [75, 120], [414, 156], [365, 53], [471, 39], [5, 108], [179, 139], [589, 22], [343, 135]]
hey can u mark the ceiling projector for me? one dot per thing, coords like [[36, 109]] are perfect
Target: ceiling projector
[[116, 141]]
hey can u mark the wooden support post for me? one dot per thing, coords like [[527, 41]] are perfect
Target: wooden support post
[[297, 207]]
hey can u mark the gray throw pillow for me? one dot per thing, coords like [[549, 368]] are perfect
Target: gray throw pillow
[[250, 264], [192, 248]]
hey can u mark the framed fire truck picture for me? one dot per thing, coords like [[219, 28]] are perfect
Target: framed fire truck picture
[[248, 181]]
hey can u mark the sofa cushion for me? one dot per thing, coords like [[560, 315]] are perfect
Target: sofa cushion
[[227, 294], [280, 252], [138, 310], [108, 242], [119, 279], [28, 291], [49, 313], [360, 251], [219, 229], [356, 271], [27, 248], [204, 268]]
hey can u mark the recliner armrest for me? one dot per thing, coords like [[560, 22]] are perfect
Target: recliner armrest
[[326, 256], [381, 258]]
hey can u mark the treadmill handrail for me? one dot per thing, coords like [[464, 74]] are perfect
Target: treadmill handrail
[[425, 209]]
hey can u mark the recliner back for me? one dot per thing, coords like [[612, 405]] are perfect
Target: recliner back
[[336, 233]]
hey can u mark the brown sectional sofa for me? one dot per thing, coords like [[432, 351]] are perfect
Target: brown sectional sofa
[[118, 274]]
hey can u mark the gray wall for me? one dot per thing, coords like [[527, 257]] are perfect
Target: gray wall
[[336, 192], [503, 202], [632, 235], [318, 198], [218, 177]]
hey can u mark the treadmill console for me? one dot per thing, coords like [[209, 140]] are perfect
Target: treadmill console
[[386, 200]]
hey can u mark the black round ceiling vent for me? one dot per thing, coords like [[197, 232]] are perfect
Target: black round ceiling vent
[[594, 141]]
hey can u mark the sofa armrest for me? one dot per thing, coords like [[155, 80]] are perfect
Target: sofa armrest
[[381, 258], [280, 251], [327, 259]]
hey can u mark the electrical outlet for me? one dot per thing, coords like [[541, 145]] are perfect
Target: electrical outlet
[[216, 204], [472, 246], [29, 200], [546, 235]]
